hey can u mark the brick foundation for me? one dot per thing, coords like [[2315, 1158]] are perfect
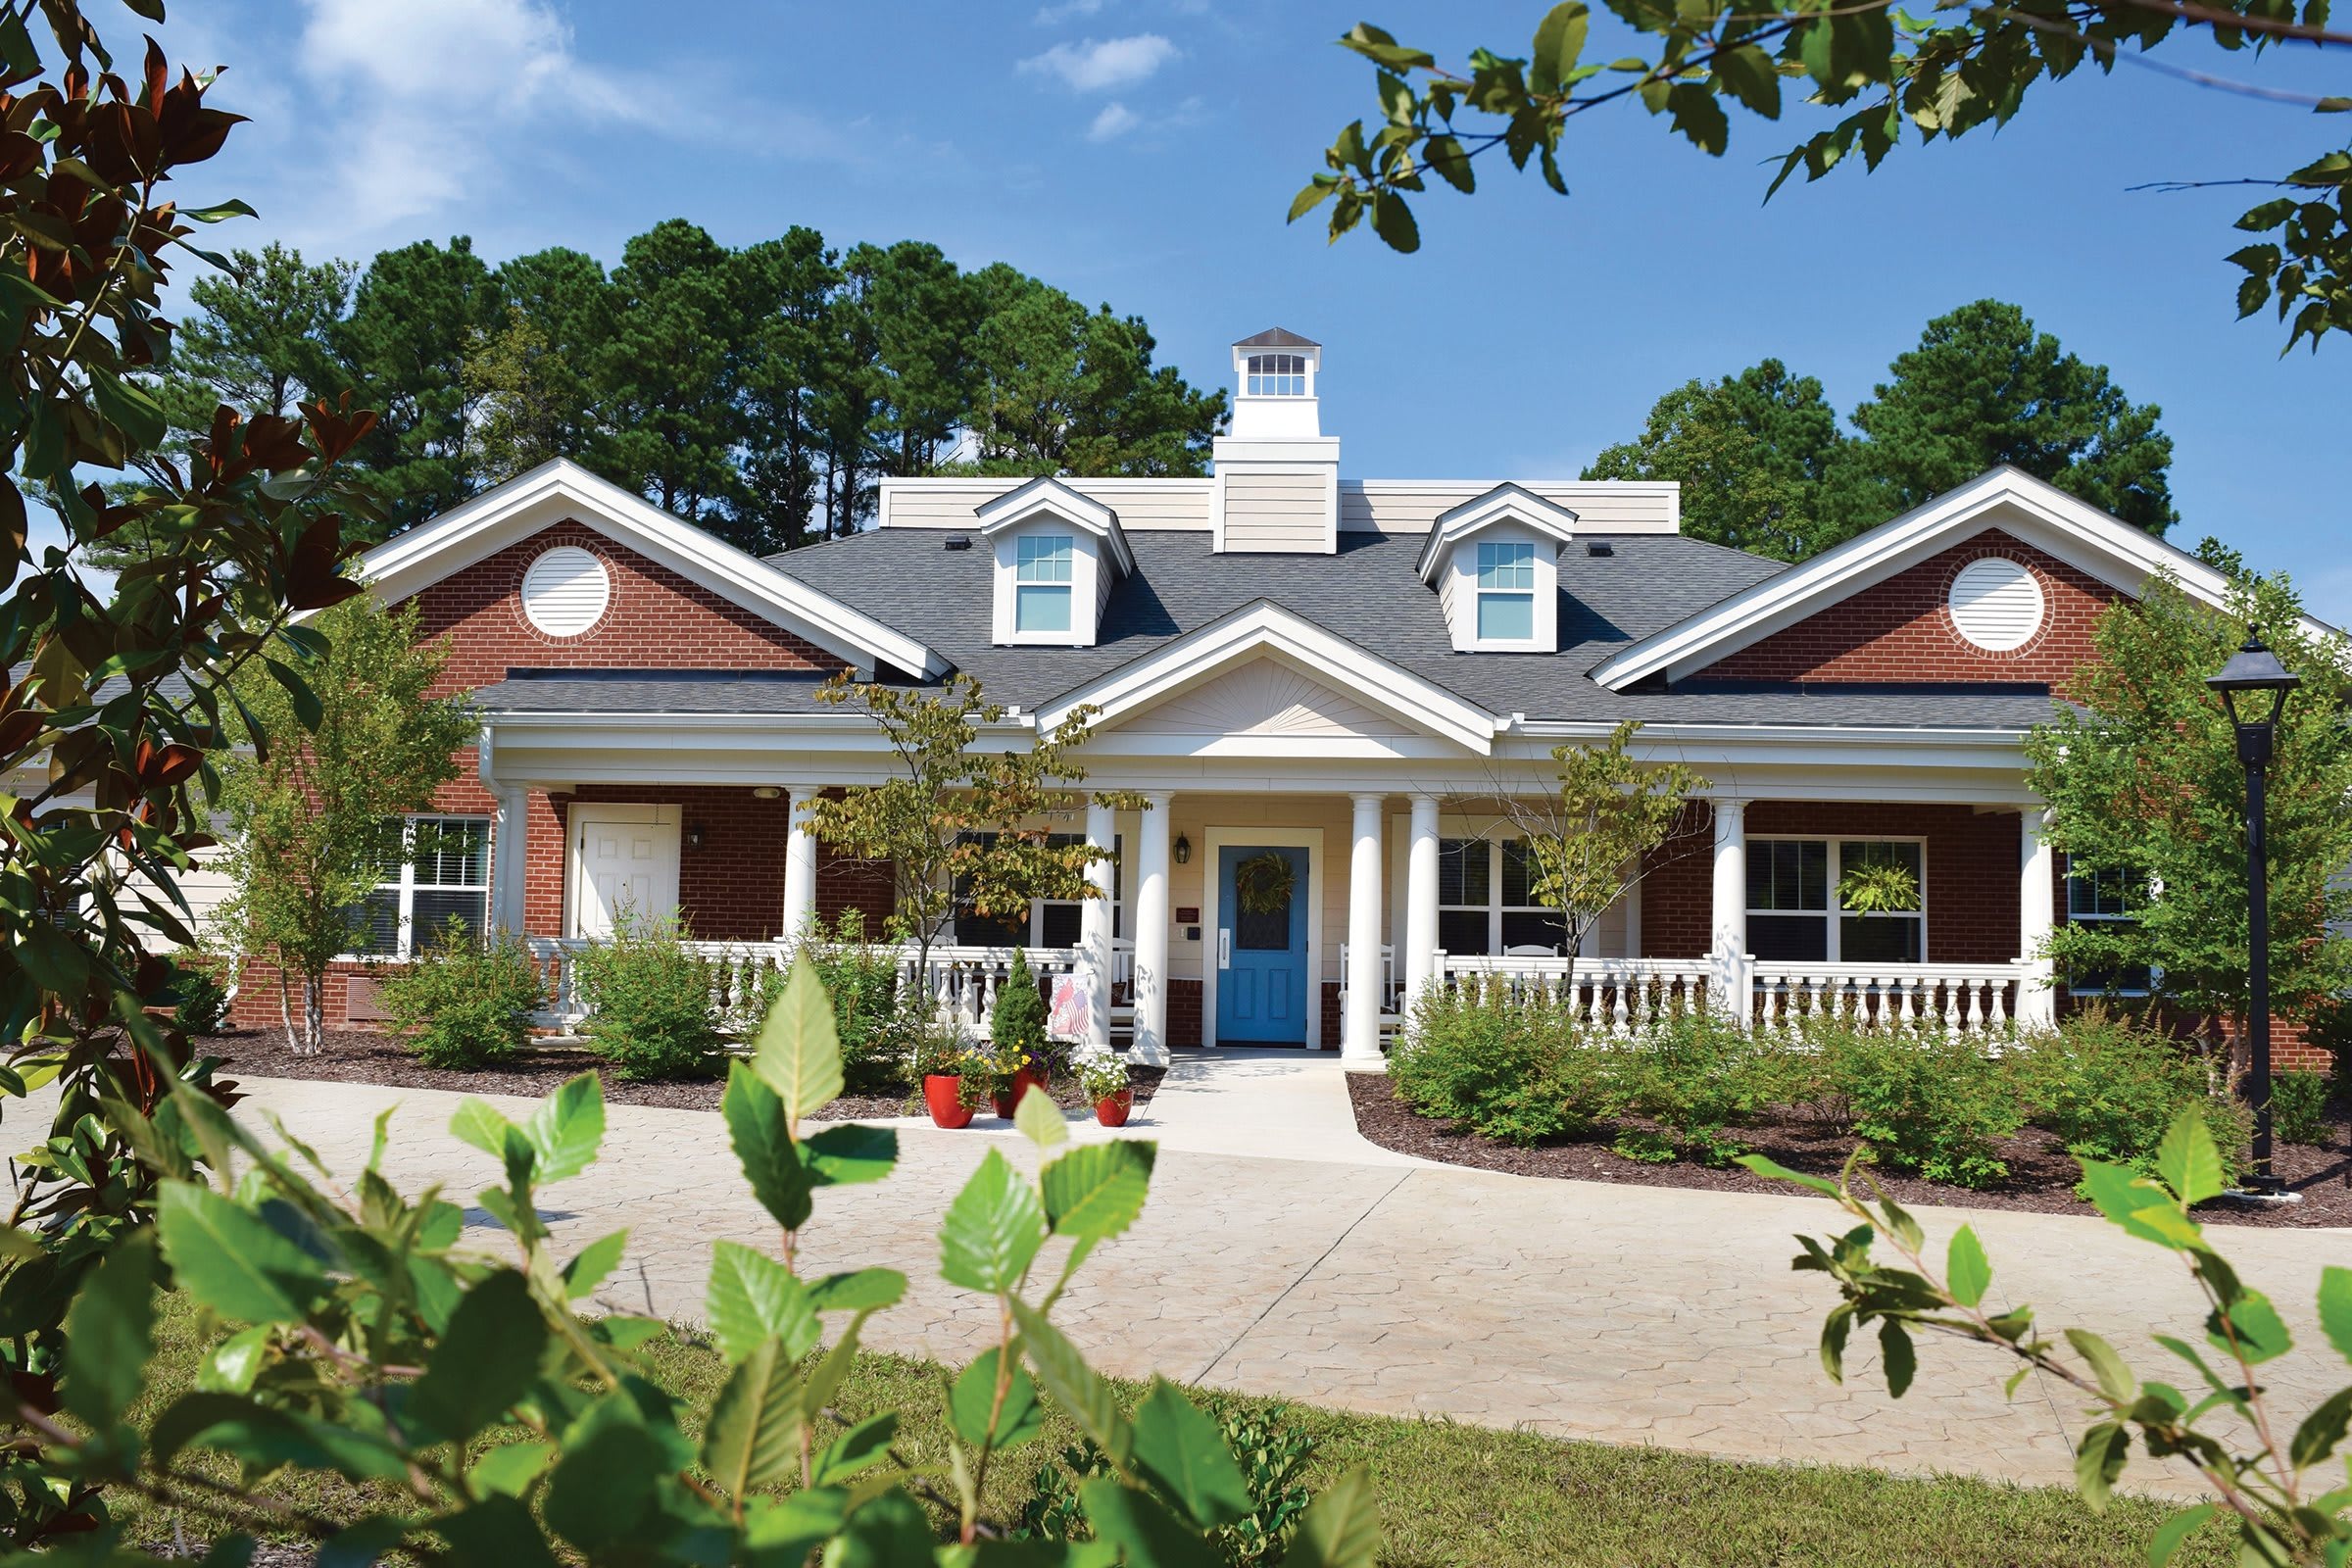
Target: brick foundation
[[1184, 1013]]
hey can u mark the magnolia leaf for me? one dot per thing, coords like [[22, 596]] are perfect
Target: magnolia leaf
[[1183, 1452], [752, 1437], [798, 1051], [993, 1229], [754, 1299], [1967, 1272]]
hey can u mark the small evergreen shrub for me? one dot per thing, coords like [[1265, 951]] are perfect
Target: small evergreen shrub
[[1930, 1102], [650, 1010], [2299, 1108], [466, 1001], [1017, 1024], [2109, 1085], [202, 994]]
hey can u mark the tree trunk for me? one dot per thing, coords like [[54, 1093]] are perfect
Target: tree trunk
[[285, 1012], [314, 1014]]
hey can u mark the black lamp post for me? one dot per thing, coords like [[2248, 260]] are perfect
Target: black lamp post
[[2254, 687]]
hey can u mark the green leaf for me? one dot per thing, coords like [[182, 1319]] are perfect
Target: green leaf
[[266, 1438], [1147, 1534], [2141, 1206], [1037, 1118], [798, 1051], [604, 1484], [1901, 1357], [1341, 1528], [1967, 1271], [890, 1532], [2114, 1377], [508, 1469], [2098, 1460], [1393, 220], [475, 1122], [974, 1395], [566, 1128], [1183, 1452], [361, 1544], [754, 1299], [1560, 40], [2335, 1307], [1771, 1170], [110, 1332], [1096, 1190], [864, 1290], [850, 1154], [235, 1361], [991, 1230], [763, 1140], [2254, 1324], [485, 1362], [2174, 1531], [2322, 1430], [1083, 1396], [861, 1446], [593, 1264], [308, 711], [231, 1261], [496, 1529], [754, 1436], [2188, 1162]]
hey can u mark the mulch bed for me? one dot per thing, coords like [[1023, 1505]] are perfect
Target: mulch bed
[[363, 1056], [2041, 1174]]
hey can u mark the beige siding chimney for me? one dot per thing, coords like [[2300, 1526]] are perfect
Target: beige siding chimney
[[1277, 475]]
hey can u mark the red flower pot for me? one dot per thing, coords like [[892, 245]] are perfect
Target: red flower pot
[[1005, 1103], [1113, 1110], [943, 1097]]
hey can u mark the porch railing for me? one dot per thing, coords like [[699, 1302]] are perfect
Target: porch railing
[[1958, 998], [962, 979], [1622, 996]]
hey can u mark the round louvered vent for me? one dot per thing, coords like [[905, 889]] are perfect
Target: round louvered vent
[[1996, 603], [566, 591]]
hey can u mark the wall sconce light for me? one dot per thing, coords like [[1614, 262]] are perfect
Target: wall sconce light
[[693, 834], [1184, 850], [767, 792]]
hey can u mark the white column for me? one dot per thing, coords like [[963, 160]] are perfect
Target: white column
[[1094, 927], [1359, 1024], [800, 864], [1151, 1044], [509, 859], [1727, 986], [2036, 915], [1418, 961]]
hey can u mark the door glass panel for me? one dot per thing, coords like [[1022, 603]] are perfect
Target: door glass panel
[[1263, 933]]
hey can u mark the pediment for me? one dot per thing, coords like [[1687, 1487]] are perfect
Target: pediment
[[1268, 699]]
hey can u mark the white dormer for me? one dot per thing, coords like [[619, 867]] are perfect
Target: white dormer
[[1277, 475], [1057, 553], [1496, 564]]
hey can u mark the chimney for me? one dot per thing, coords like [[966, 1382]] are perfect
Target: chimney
[[1277, 475]]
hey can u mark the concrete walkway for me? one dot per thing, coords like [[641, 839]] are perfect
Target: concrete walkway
[[1315, 1266]]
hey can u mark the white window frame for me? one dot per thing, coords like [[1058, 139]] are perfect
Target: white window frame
[[1495, 909], [407, 886], [1522, 587], [1833, 913], [2125, 917], [1285, 375], [1038, 907], [1054, 558]]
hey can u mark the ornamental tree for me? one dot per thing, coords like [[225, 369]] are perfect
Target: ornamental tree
[[2141, 773], [316, 819], [1880, 76]]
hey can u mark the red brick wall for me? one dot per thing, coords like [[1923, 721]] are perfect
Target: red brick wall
[[1901, 629], [1183, 1012], [655, 619]]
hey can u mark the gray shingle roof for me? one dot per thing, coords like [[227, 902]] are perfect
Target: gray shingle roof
[[1277, 337]]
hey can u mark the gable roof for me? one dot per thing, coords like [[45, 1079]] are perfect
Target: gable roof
[[1505, 503], [560, 490], [2033, 510], [1052, 498], [1277, 337]]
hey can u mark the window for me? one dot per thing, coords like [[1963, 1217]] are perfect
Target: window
[[1040, 594], [1277, 376], [2110, 898], [439, 868], [1484, 904], [1792, 910], [1049, 922], [1507, 591]]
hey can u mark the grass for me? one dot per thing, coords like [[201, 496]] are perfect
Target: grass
[[1452, 1494]]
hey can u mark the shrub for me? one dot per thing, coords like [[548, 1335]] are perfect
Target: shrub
[[877, 1026], [2299, 1108], [1273, 1457], [1698, 1078], [465, 1001], [203, 998], [2109, 1085], [1017, 1024], [1516, 1073], [1930, 1103], [650, 1010]]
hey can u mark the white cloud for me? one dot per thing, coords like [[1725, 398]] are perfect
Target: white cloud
[[1047, 15], [1101, 66], [1115, 120]]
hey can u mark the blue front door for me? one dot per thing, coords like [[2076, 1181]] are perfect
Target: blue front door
[[1261, 947]]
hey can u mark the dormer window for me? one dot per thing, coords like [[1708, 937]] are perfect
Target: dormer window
[[1507, 591], [1041, 584], [1276, 376]]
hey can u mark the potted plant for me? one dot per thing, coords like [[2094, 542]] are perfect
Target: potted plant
[[951, 1087], [1009, 1070], [1017, 1029], [1103, 1077]]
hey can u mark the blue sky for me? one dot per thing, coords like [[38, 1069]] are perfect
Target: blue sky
[[1143, 151]]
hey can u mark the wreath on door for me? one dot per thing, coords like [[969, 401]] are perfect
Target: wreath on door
[[1264, 883]]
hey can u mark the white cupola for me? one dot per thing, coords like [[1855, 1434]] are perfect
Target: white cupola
[[1277, 474], [1494, 562]]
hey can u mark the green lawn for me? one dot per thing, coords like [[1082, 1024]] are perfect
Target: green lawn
[[1462, 1495]]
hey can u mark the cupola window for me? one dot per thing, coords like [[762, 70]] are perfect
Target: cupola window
[[1042, 579], [1276, 376], [1507, 591]]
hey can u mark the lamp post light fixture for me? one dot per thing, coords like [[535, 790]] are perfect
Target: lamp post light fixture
[[2254, 685]]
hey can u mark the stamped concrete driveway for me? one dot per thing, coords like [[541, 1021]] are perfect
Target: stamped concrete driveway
[[1353, 1277]]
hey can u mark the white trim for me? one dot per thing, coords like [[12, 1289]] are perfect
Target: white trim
[[1310, 839], [2033, 512], [1505, 503], [561, 490], [1262, 627], [1049, 496], [1832, 914]]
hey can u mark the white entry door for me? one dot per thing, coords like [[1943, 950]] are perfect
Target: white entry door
[[623, 857]]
